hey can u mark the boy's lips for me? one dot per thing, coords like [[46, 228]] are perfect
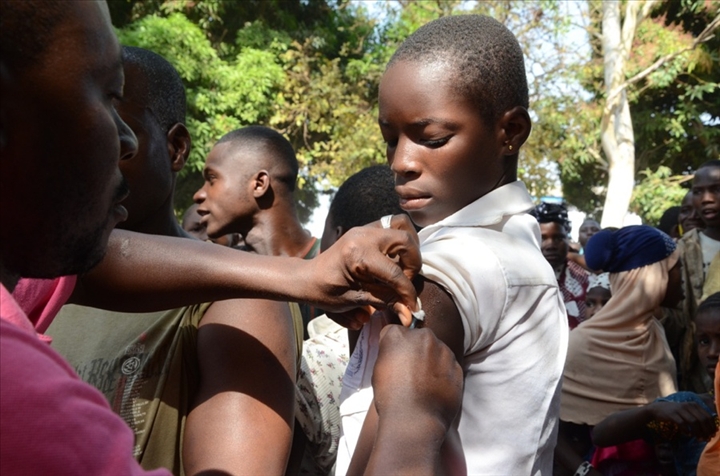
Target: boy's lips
[[709, 213], [204, 216], [412, 199]]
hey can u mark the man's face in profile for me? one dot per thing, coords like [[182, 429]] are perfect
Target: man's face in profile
[[61, 185]]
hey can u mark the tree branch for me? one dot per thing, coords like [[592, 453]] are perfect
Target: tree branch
[[704, 36]]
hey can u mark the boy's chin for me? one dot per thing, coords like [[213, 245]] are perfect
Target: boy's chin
[[424, 217]]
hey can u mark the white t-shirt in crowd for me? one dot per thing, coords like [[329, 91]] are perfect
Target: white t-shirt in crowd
[[487, 256], [710, 248]]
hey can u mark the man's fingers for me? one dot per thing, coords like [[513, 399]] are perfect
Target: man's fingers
[[374, 267], [353, 319]]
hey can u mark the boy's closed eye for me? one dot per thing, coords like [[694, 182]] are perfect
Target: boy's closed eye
[[435, 143]]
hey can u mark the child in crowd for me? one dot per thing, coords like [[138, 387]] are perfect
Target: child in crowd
[[598, 293], [453, 112], [688, 217], [588, 229], [681, 422], [619, 359]]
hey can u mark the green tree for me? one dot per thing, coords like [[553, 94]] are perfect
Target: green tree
[[660, 107], [656, 192], [299, 66]]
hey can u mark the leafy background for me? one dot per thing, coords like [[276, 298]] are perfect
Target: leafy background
[[311, 68]]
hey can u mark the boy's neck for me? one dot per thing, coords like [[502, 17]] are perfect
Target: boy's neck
[[712, 233]]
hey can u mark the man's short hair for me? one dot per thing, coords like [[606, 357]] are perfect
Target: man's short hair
[[165, 93], [552, 213], [27, 27], [485, 57], [271, 142], [710, 163], [365, 197]]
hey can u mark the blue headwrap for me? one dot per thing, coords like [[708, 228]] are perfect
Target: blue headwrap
[[627, 248]]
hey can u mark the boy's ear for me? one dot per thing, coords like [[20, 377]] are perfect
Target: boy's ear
[[179, 145], [261, 183], [515, 127]]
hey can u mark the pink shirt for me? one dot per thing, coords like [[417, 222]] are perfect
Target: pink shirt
[[52, 422], [41, 300]]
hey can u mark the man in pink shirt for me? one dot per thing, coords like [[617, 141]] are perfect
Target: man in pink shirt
[[60, 188]]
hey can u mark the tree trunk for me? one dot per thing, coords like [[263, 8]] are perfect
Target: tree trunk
[[618, 140]]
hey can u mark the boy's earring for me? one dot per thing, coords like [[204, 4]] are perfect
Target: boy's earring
[[510, 147]]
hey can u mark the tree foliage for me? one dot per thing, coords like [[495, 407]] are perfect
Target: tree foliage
[[657, 191], [675, 109], [311, 69]]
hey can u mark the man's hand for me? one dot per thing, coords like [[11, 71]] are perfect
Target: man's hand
[[367, 266], [418, 386], [416, 374]]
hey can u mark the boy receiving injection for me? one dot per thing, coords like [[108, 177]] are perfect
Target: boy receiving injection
[[453, 112]]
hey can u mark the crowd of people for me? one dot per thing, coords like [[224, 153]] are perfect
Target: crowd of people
[[444, 323]]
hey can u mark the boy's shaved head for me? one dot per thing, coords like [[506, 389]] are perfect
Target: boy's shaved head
[[165, 94], [19, 44], [279, 151], [483, 53], [365, 197]]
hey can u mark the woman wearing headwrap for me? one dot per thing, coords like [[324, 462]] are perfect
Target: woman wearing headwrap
[[620, 359]]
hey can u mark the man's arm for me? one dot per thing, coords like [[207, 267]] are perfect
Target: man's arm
[[417, 400], [443, 318], [140, 273], [242, 418]]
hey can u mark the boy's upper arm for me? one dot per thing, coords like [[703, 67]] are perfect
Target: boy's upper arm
[[442, 315], [443, 318], [242, 415]]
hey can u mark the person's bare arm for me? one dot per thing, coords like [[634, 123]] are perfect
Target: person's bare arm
[[627, 425], [242, 417], [141, 273], [443, 319]]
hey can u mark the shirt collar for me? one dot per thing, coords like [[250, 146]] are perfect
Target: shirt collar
[[510, 199]]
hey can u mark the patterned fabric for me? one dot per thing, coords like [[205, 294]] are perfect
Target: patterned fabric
[[573, 283], [686, 450], [601, 280], [317, 405], [146, 367]]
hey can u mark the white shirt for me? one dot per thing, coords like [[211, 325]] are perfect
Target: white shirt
[[487, 256], [709, 249]]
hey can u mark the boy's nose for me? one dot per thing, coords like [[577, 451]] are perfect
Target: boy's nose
[[402, 162], [200, 195]]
